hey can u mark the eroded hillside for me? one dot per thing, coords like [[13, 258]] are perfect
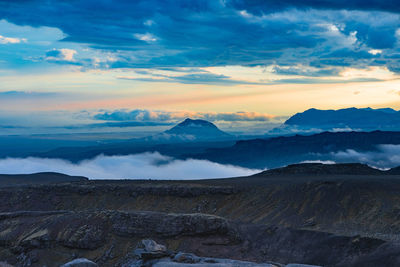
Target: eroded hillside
[[281, 216]]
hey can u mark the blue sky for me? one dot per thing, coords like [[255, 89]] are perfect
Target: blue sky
[[236, 62]]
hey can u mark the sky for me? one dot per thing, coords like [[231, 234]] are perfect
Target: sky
[[244, 64]]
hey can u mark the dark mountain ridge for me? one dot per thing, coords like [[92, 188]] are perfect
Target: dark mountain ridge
[[196, 127], [254, 153], [190, 135], [193, 130], [364, 119], [38, 178], [281, 151], [324, 169], [394, 171]]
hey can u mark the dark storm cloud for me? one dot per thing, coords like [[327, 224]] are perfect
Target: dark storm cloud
[[180, 33], [259, 7]]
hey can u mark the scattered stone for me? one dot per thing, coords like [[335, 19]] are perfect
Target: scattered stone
[[108, 254], [186, 258], [310, 223], [25, 236], [152, 246], [300, 265], [149, 253], [217, 263], [148, 249], [82, 262]]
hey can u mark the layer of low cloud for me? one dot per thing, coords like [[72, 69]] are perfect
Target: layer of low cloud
[[139, 166], [386, 156]]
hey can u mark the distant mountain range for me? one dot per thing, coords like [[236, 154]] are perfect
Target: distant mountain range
[[189, 136], [281, 151], [350, 119], [201, 139]]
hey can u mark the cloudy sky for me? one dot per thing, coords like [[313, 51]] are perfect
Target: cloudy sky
[[155, 62]]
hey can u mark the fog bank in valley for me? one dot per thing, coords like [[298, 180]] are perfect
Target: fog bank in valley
[[138, 166]]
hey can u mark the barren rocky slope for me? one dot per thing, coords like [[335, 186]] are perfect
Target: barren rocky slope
[[38, 178], [288, 215]]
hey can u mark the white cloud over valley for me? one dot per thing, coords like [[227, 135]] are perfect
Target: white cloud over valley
[[386, 156], [138, 166]]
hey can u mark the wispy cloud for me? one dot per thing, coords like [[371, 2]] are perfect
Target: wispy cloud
[[24, 94], [147, 37], [322, 81], [306, 71], [63, 54], [194, 78], [11, 40]]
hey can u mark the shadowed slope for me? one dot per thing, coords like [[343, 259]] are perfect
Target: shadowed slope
[[38, 178]]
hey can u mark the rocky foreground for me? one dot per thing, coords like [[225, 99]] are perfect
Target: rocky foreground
[[149, 253], [108, 238], [277, 218]]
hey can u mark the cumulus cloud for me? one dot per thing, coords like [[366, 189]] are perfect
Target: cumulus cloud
[[146, 37], [375, 51], [139, 166], [386, 156], [160, 115], [141, 122], [63, 54], [10, 40]]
